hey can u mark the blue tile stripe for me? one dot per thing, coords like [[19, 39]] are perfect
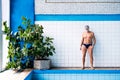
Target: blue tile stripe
[[77, 17], [76, 71]]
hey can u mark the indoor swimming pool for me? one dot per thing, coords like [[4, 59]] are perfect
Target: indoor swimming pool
[[74, 75]]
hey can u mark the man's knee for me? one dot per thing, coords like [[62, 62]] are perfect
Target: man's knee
[[84, 55]]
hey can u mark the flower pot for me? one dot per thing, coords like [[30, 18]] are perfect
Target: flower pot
[[41, 64]]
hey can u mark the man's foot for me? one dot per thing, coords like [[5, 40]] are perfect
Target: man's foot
[[83, 68], [92, 68]]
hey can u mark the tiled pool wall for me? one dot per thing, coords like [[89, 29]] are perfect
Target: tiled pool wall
[[65, 21], [74, 75], [67, 36]]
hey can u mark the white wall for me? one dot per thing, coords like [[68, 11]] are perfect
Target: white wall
[[67, 35], [5, 17], [0, 36], [66, 7]]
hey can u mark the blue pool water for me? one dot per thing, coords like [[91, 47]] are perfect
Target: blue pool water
[[74, 75]]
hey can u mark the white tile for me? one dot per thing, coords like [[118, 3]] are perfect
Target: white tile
[[67, 37]]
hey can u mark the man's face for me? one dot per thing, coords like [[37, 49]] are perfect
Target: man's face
[[87, 28]]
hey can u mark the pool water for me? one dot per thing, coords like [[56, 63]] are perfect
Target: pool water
[[74, 75]]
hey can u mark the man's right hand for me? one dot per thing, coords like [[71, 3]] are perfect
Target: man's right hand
[[80, 47]]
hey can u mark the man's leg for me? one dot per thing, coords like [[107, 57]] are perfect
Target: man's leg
[[83, 56], [90, 51]]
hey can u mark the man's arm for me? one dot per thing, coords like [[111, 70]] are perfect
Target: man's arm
[[94, 40], [81, 42]]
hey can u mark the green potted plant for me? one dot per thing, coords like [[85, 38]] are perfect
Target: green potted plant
[[28, 44], [43, 49], [41, 46]]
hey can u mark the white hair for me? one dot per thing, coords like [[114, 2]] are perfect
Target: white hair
[[86, 26]]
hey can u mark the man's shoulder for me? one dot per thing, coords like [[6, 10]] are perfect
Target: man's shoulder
[[91, 32]]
